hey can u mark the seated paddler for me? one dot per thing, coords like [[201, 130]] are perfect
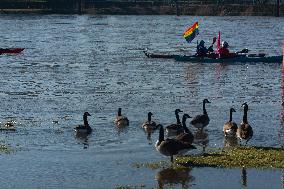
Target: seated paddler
[[224, 51], [202, 50]]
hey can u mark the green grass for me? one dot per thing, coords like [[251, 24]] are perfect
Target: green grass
[[244, 156], [250, 157]]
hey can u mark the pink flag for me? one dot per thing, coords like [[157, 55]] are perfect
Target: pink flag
[[283, 57], [218, 42]]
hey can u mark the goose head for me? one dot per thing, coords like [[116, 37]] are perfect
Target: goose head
[[184, 117], [85, 117], [232, 110], [177, 116], [149, 116], [206, 101], [245, 106], [86, 114], [177, 111]]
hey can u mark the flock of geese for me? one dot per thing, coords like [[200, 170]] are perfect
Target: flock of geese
[[180, 139]]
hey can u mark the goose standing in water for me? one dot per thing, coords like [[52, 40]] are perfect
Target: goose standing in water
[[84, 129], [245, 131], [121, 120], [230, 127], [149, 125], [187, 135], [171, 147], [202, 120], [175, 128]]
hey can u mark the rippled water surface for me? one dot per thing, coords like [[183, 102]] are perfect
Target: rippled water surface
[[74, 64]]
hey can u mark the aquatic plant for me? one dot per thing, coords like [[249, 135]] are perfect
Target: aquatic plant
[[130, 187], [152, 165], [251, 157], [237, 157], [5, 149]]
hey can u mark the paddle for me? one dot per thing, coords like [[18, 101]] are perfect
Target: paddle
[[243, 51]]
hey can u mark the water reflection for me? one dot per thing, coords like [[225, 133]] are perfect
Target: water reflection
[[230, 141], [201, 138], [170, 177], [148, 133], [82, 138], [120, 130], [244, 177], [282, 179], [219, 69]]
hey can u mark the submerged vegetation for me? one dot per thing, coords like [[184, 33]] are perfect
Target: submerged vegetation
[[244, 156], [5, 149], [252, 157]]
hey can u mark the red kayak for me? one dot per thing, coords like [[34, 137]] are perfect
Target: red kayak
[[11, 50]]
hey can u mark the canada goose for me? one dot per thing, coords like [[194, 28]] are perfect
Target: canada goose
[[230, 127], [121, 120], [245, 131], [186, 136], [84, 129], [149, 125], [8, 126], [171, 147], [175, 128], [201, 121]]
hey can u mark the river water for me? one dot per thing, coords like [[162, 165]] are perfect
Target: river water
[[74, 64]]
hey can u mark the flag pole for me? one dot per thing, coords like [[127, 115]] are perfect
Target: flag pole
[[283, 57]]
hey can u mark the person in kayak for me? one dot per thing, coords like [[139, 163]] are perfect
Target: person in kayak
[[224, 51], [201, 49]]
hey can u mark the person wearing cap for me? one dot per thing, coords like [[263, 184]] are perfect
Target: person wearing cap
[[224, 51], [202, 51]]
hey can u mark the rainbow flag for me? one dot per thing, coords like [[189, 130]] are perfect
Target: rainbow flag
[[191, 32]]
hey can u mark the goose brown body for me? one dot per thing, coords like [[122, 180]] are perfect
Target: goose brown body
[[84, 129], [175, 128], [245, 131], [187, 135], [121, 120], [202, 120], [230, 127], [149, 125], [171, 147]]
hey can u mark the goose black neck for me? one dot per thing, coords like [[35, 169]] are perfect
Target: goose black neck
[[161, 134], [149, 117], [204, 109], [85, 120], [231, 115], [245, 117], [186, 130], [177, 116], [119, 112]]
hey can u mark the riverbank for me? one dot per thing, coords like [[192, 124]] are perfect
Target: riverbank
[[200, 10]]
